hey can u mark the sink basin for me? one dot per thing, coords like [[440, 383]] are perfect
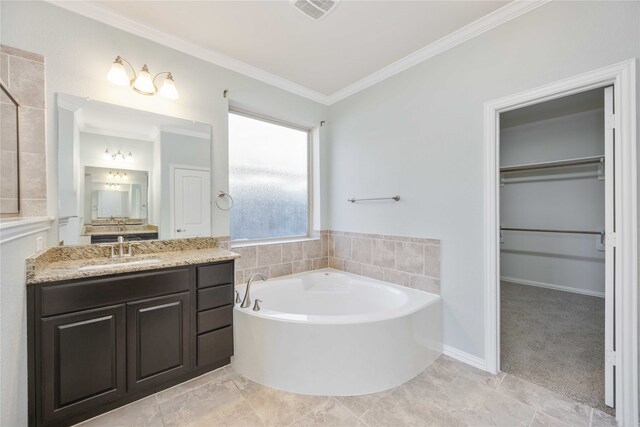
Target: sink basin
[[123, 263]]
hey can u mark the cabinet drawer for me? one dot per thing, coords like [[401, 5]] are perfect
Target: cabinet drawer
[[215, 318], [216, 296], [81, 295], [215, 346], [217, 274]]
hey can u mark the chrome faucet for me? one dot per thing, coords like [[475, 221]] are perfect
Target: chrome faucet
[[246, 302], [122, 226], [120, 246]]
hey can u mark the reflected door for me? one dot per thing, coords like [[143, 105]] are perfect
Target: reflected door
[[191, 203]]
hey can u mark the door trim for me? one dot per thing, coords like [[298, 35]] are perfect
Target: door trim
[[172, 184], [622, 76]]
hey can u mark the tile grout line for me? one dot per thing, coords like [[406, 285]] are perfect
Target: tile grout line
[[535, 413], [159, 410], [591, 417], [309, 411]]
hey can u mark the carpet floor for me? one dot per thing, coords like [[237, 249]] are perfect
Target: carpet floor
[[554, 339]]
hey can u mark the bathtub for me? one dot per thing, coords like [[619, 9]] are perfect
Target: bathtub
[[332, 333]]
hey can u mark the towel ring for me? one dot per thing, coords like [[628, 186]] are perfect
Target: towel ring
[[222, 194]]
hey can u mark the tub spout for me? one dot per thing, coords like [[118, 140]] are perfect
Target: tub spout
[[246, 302]]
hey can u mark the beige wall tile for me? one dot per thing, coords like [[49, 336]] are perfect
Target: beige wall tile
[[246, 274], [353, 267], [312, 249], [4, 68], [410, 257], [248, 257], [33, 207], [292, 252], [324, 241], [330, 246], [361, 250], [279, 270], [373, 271], [8, 50], [26, 81], [342, 248], [32, 130], [239, 278], [8, 205], [397, 277], [33, 177], [426, 284], [432, 261], [8, 131], [319, 263], [302, 266], [384, 253], [9, 181], [336, 263], [269, 255]]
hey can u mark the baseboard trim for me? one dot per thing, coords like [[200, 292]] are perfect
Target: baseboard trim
[[469, 359], [553, 286]]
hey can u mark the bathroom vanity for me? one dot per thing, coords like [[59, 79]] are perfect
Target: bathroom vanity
[[104, 332]]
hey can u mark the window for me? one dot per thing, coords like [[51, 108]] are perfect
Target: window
[[268, 178]]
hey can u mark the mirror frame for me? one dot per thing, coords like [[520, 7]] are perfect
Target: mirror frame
[[5, 89]]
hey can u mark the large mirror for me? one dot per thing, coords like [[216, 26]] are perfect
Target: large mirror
[[130, 173], [9, 144]]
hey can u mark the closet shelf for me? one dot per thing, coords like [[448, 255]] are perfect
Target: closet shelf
[[581, 161], [546, 230]]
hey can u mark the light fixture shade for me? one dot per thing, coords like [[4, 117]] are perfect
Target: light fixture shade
[[168, 89], [106, 155], [144, 82], [117, 74], [130, 157]]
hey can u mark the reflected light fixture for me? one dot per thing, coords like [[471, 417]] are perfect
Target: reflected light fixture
[[142, 82]]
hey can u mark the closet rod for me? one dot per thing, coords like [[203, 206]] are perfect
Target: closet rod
[[541, 230], [555, 164]]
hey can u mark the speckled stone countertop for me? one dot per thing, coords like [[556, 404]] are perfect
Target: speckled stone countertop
[[64, 262], [100, 230]]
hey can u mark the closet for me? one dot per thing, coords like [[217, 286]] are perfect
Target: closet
[[555, 186]]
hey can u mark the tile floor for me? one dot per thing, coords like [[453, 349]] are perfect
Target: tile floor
[[447, 393]]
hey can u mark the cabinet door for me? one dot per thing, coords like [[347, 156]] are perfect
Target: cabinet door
[[83, 360], [158, 333]]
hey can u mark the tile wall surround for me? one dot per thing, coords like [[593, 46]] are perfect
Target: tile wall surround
[[24, 73], [405, 261]]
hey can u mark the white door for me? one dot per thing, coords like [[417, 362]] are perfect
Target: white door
[[610, 250], [191, 203]]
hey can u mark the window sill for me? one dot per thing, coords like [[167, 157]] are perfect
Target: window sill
[[243, 244]]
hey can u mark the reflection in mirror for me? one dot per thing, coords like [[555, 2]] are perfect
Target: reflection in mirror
[[130, 173], [9, 136]]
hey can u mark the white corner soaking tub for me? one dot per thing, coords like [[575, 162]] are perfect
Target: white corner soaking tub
[[331, 333]]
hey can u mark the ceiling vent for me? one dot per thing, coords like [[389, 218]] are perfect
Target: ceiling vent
[[315, 9]]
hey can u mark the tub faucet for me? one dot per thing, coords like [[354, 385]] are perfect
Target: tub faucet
[[246, 302]]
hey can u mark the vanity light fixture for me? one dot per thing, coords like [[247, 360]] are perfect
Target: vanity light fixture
[[142, 82], [119, 156]]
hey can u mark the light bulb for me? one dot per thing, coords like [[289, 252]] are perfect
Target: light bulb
[[106, 155], [125, 177], [117, 74], [130, 157], [144, 82], [168, 89], [110, 175]]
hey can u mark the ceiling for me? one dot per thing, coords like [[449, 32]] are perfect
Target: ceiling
[[356, 39]]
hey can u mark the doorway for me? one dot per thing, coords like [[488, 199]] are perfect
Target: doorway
[[555, 182], [622, 382], [191, 202]]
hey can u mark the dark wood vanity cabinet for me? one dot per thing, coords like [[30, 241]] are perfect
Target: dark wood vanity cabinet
[[96, 344]]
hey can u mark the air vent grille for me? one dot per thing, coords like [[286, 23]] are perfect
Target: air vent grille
[[315, 9]]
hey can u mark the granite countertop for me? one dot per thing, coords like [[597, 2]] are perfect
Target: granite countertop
[[108, 230], [62, 263]]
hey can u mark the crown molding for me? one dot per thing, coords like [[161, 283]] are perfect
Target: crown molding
[[498, 17], [494, 19], [113, 19]]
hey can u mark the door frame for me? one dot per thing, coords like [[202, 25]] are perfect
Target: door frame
[[172, 184], [623, 77]]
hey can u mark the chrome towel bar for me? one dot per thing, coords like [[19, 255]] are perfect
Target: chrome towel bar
[[394, 198]]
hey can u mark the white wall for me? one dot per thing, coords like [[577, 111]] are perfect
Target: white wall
[[556, 199], [79, 51], [420, 134], [13, 323]]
